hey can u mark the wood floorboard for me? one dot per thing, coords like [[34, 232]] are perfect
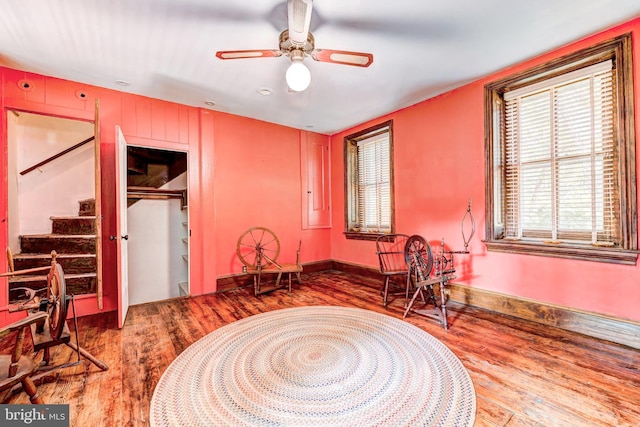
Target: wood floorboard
[[524, 374]]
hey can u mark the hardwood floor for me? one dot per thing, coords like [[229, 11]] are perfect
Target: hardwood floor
[[524, 374]]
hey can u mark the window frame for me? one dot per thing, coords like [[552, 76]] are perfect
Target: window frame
[[351, 181], [619, 50]]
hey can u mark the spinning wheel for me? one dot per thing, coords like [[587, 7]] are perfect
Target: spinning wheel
[[258, 244], [51, 329], [427, 270], [258, 249], [420, 260]]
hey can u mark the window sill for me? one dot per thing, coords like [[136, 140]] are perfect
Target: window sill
[[579, 252], [359, 235]]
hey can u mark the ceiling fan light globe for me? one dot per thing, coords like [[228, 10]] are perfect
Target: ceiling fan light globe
[[298, 77]]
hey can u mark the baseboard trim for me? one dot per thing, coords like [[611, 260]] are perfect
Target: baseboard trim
[[619, 331], [360, 270]]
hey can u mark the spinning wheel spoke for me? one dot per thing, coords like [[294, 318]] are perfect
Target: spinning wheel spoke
[[249, 252], [248, 246], [266, 244], [253, 237], [269, 255]]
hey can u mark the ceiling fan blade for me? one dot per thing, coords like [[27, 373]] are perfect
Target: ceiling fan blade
[[358, 59], [299, 19], [238, 54]]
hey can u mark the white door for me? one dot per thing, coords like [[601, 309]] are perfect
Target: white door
[[121, 236]]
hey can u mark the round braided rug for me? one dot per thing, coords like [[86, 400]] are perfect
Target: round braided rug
[[315, 366]]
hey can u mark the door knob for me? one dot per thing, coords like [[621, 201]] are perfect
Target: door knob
[[125, 237]]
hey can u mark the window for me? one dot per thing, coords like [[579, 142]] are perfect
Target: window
[[560, 156], [369, 182]]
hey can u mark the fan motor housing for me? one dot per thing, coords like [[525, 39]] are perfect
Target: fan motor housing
[[287, 45]]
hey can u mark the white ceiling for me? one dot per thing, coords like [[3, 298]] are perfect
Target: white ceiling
[[166, 49]]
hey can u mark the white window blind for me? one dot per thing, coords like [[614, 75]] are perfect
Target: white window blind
[[560, 159], [374, 183]]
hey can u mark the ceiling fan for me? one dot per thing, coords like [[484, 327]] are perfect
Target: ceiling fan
[[297, 42]]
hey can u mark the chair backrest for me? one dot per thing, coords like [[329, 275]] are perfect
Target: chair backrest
[[390, 250]]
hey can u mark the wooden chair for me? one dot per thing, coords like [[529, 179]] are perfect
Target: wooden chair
[[17, 367], [390, 251]]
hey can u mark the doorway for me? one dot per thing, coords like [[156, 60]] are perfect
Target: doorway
[[51, 193], [157, 224]]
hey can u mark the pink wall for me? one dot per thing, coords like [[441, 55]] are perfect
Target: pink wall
[[257, 183], [242, 173], [439, 165]]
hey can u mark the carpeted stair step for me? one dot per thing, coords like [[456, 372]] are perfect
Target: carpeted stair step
[[87, 207], [71, 263], [76, 283], [67, 244], [74, 240], [73, 225]]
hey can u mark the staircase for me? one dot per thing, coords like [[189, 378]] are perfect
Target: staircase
[[74, 240]]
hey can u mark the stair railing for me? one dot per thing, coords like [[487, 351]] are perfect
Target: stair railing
[[55, 156]]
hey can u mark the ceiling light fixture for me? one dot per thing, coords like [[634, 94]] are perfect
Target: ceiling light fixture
[[298, 76], [122, 82], [265, 91], [209, 103]]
